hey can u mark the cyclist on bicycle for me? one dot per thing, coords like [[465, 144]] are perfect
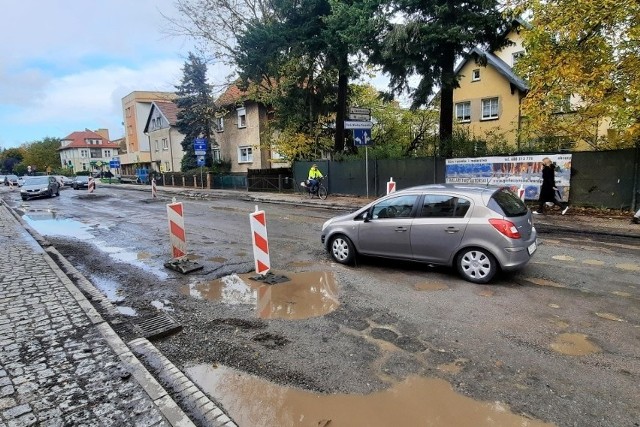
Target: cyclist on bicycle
[[314, 176]]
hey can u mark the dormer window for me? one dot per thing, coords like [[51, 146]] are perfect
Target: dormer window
[[515, 56], [220, 124], [475, 75]]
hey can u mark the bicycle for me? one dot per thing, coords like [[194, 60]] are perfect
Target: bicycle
[[320, 191]]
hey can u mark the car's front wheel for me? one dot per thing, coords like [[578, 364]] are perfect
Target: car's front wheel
[[342, 249], [476, 265]]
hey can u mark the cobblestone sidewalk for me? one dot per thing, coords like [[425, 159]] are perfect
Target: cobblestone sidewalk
[[60, 363]]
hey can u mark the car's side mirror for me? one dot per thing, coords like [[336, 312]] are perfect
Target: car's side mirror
[[366, 217]]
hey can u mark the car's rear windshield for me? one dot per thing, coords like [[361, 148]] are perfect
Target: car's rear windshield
[[504, 201]]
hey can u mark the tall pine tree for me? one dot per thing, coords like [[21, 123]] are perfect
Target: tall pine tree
[[195, 110]]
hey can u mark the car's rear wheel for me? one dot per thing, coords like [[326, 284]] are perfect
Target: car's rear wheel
[[342, 249], [476, 265]]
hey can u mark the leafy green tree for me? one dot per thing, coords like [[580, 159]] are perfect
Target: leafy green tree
[[9, 158], [583, 69], [425, 39], [300, 58], [398, 132], [195, 110], [41, 155]]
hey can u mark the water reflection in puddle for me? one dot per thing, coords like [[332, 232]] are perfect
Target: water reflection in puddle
[[305, 295], [110, 288], [252, 401], [47, 223]]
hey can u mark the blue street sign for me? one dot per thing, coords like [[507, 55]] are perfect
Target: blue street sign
[[114, 163], [200, 160], [362, 137], [200, 146]]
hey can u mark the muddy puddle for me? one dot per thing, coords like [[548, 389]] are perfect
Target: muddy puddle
[[304, 295], [574, 345], [416, 401]]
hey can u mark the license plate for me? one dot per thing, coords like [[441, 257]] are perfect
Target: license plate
[[532, 248]]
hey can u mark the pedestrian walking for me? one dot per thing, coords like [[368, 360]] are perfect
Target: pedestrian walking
[[548, 190]]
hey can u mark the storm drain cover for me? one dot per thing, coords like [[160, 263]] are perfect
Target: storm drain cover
[[270, 278], [157, 326], [183, 265]]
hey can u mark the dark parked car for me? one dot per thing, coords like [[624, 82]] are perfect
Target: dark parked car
[[39, 186], [477, 229], [80, 181], [11, 179]]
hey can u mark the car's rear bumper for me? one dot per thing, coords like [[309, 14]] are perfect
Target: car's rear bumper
[[516, 257]]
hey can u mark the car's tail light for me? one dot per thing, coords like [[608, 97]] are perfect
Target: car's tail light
[[507, 228]]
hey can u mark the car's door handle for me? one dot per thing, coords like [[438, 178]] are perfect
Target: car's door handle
[[452, 230], [401, 229]]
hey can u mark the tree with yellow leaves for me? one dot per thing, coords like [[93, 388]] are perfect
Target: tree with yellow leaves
[[583, 69]]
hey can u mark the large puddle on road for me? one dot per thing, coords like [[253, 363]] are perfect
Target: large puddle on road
[[305, 295], [47, 223], [416, 401]]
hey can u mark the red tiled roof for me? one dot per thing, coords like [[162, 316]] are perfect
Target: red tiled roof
[[230, 96], [79, 140], [169, 110]]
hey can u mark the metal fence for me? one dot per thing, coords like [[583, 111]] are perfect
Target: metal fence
[[605, 179]]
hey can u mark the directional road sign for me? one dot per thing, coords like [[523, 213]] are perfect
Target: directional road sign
[[357, 125], [358, 110], [200, 146], [362, 137]]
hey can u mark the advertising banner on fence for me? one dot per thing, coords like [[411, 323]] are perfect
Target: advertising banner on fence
[[511, 171]]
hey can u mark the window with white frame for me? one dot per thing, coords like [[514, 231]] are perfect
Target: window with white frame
[[220, 124], [107, 154], [463, 111], [562, 105], [165, 143], [475, 75], [245, 154], [215, 152], [167, 167], [489, 108], [157, 145], [83, 153], [242, 117]]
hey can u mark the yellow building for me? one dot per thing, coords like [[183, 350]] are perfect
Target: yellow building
[[488, 102]]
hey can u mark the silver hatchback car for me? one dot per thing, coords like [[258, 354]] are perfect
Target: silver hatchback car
[[477, 229]]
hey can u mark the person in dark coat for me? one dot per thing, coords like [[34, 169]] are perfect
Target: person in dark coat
[[548, 188]]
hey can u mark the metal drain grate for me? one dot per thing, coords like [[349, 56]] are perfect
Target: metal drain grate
[[157, 326]]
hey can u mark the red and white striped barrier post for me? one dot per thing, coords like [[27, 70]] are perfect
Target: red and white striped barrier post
[[260, 241], [175, 214], [391, 186], [91, 186], [154, 190], [521, 192]]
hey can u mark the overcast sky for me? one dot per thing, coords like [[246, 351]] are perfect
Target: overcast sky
[[65, 65]]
